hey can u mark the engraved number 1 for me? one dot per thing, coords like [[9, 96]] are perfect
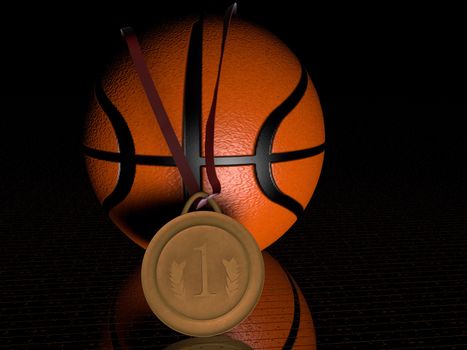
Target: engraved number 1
[[204, 272]]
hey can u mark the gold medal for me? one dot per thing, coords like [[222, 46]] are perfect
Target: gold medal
[[203, 272]]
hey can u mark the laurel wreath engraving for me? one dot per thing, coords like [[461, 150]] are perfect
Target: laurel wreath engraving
[[176, 278], [233, 274]]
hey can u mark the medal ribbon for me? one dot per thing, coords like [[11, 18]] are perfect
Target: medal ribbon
[[164, 123]]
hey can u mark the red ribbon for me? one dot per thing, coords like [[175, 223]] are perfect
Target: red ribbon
[[164, 122]]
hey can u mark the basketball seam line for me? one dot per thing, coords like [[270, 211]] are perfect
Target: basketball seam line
[[222, 161], [292, 336]]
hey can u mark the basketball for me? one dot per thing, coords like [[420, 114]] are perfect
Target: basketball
[[269, 132], [280, 320]]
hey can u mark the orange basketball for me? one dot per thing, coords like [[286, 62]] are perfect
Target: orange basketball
[[269, 134]]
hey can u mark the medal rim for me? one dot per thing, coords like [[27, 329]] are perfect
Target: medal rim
[[170, 316]]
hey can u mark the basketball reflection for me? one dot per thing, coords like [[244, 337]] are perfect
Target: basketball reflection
[[281, 320]]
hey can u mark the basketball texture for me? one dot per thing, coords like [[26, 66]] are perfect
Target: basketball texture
[[269, 133]]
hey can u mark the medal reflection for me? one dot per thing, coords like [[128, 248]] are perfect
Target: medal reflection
[[281, 319]]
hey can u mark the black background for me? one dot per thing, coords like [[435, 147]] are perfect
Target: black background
[[380, 251]]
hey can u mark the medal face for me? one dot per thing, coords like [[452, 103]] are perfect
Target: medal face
[[202, 273]]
